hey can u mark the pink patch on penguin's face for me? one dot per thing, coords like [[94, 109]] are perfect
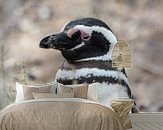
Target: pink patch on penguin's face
[[84, 36], [70, 32]]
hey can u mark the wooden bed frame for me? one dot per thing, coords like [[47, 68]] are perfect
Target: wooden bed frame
[[147, 121]]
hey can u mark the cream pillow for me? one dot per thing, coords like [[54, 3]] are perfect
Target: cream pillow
[[24, 92], [92, 92], [49, 95], [79, 90]]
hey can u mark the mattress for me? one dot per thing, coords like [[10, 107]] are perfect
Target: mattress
[[59, 114]]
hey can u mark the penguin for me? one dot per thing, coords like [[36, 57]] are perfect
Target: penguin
[[87, 45]]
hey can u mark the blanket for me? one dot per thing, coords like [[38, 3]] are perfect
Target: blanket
[[59, 114]]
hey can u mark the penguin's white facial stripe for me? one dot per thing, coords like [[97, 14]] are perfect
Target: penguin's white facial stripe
[[106, 33], [86, 72], [78, 46]]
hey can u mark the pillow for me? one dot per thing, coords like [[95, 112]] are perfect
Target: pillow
[[79, 90], [49, 95], [24, 92], [92, 92]]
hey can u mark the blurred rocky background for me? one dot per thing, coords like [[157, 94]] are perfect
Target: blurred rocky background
[[24, 22]]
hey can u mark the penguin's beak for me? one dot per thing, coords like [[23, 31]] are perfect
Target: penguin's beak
[[55, 41]]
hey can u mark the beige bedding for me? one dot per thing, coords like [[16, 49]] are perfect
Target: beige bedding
[[59, 114]]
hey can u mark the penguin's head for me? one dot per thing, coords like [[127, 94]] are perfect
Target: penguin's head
[[82, 40]]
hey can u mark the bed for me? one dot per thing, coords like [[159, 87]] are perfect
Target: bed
[[59, 114]]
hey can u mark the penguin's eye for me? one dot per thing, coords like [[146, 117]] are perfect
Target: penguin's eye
[[85, 36]]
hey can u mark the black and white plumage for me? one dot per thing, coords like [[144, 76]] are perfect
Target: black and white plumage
[[87, 46]]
